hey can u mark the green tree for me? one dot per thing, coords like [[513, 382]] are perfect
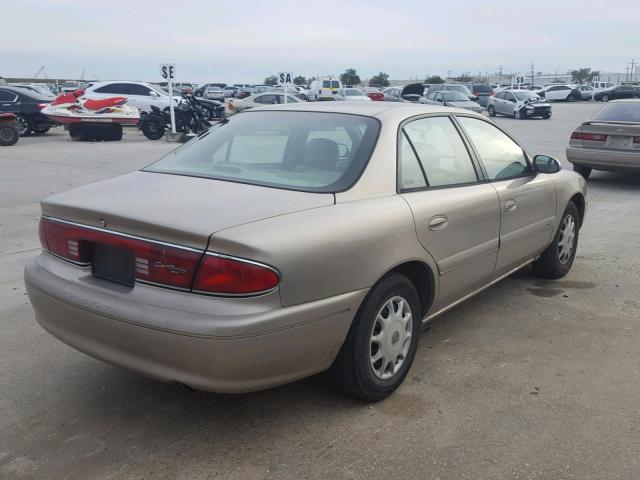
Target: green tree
[[271, 80], [350, 77], [300, 80], [434, 79], [381, 79], [583, 75]]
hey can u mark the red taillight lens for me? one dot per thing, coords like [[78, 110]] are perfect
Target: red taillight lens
[[592, 137], [492, 93], [231, 276], [155, 262]]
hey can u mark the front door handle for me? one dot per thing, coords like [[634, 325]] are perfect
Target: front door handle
[[437, 223], [510, 206]]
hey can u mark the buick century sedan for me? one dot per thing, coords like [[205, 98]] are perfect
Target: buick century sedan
[[293, 239]]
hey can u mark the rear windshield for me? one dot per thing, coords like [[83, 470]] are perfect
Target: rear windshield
[[482, 88], [307, 151], [619, 112], [326, 84], [335, 84]]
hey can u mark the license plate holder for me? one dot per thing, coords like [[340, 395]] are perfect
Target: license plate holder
[[619, 141], [113, 264]]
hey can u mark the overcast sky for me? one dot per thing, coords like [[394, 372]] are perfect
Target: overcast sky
[[244, 41]]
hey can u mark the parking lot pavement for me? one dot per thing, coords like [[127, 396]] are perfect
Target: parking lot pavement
[[530, 379]]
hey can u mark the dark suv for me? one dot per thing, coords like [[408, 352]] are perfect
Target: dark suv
[[483, 91]]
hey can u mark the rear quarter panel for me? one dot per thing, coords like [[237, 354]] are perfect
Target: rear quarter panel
[[331, 250]]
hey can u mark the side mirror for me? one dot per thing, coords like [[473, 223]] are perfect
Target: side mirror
[[546, 164], [153, 94]]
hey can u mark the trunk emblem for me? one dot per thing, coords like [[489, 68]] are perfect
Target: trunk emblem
[[103, 223]]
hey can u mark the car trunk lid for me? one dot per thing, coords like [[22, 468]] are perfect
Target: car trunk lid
[[175, 209], [608, 135]]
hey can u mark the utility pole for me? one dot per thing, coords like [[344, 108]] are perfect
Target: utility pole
[[532, 74], [626, 73], [632, 71]]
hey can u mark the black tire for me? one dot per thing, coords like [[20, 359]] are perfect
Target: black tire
[[570, 98], [547, 116], [75, 132], [636, 97], [520, 115], [491, 111], [24, 125], [352, 371], [604, 98], [8, 135], [153, 127], [550, 265], [42, 130], [582, 170]]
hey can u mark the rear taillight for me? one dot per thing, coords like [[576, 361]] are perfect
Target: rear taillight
[[492, 93], [42, 105], [219, 274], [636, 139], [155, 262], [592, 137]]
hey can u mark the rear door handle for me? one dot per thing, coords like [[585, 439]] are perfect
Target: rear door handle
[[437, 223], [510, 206]]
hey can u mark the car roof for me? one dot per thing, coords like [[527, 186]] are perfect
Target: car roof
[[368, 109]]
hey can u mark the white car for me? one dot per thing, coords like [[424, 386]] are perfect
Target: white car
[[351, 95], [138, 94], [587, 92], [213, 93], [259, 100], [560, 92]]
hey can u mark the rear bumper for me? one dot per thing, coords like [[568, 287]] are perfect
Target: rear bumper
[[608, 160], [218, 348]]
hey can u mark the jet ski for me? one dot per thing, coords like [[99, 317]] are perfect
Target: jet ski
[[72, 108], [88, 119]]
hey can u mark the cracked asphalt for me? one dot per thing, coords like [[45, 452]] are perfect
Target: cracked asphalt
[[528, 380]]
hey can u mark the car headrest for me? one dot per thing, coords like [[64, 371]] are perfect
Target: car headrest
[[321, 153]]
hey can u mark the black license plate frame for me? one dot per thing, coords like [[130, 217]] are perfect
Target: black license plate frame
[[114, 264]]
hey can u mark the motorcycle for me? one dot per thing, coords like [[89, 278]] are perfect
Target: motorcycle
[[190, 116]]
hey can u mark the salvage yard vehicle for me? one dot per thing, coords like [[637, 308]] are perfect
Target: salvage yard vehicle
[[451, 99], [567, 93], [324, 89], [213, 93], [138, 94], [190, 117], [619, 92], [587, 92], [260, 100], [9, 134], [519, 104], [27, 106], [294, 239], [609, 140], [374, 93], [352, 95]]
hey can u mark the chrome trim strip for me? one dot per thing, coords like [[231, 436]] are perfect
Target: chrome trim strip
[[120, 234], [466, 297]]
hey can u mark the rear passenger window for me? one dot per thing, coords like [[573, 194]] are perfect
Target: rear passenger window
[[441, 152], [410, 174], [502, 157]]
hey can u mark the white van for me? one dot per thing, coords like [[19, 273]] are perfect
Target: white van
[[600, 86], [324, 89]]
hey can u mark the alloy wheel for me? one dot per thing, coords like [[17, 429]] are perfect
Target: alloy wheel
[[567, 239], [22, 124], [391, 337]]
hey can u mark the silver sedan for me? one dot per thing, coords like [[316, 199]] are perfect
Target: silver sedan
[[293, 239]]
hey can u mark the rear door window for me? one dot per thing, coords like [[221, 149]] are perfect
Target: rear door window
[[441, 152], [6, 96]]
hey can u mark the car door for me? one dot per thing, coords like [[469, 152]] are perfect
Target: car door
[[527, 199], [509, 103], [456, 215], [497, 102]]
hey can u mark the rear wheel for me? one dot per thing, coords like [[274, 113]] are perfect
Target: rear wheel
[[382, 341], [24, 125], [605, 98], [582, 170], [570, 98], [8, 135], [556, 260], [153, 127], [491, 111]]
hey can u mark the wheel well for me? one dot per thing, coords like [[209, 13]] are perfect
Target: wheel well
[[578, 199], [422, 278]]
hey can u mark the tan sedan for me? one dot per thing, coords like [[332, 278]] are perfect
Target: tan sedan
[[299, 238]]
